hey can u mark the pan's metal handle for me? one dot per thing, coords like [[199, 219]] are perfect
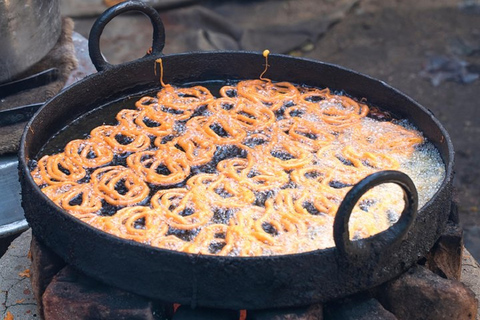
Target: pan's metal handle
[[97, 29], [361, 249]]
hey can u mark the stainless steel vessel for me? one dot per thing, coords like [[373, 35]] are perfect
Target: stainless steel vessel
[[28, 31], [12, 220]]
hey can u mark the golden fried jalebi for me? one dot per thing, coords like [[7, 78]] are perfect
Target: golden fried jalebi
[[88, 153], [223, 130], [138, 223], [253, 174], [260, 170], [186, 98], [122, 139], [268, 93], [197, 148], [119, 186], [147, 121], [57, 169], [164, 167], [251, 116], [306, 132], [183, 209]]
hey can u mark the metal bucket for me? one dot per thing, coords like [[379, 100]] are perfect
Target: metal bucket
[[28, 31]]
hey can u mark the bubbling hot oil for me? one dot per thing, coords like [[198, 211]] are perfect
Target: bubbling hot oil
[[427, 171], [376, 211]]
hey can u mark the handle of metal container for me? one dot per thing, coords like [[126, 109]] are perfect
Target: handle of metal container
[[355, 250], [97, 29]]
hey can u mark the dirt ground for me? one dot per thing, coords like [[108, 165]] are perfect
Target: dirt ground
[[392, 40]]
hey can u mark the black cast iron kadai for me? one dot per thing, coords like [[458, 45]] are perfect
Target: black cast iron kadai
[[232, 282]]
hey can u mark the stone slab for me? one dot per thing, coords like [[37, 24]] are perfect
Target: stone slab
[[16, 294]]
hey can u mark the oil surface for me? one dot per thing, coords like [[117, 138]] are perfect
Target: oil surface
[[423, 165]]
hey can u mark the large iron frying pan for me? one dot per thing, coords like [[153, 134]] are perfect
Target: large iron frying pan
[[233, 282]]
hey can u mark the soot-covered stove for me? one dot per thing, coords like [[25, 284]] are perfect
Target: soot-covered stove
[[431, 289]]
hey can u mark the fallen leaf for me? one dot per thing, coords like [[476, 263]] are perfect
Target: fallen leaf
[[8, 316], [25, 274]]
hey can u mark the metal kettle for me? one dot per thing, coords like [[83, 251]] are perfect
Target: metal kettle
[[28, 31]]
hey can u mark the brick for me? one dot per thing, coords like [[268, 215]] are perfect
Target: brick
[[357, 309], [71, 295], [445, 258], [421, 294], [314, 312], [45, 265]]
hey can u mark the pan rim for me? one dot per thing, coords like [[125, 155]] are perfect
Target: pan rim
[[448, 163]]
